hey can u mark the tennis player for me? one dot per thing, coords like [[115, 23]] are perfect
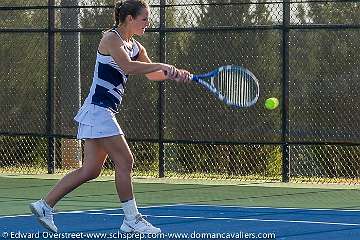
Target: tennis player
[[118, 56]]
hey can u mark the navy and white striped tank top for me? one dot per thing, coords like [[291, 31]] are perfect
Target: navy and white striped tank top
[[109, 79]]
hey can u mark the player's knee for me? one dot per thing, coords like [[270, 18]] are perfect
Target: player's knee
[[94, 174], [126, 165], [90, 174]]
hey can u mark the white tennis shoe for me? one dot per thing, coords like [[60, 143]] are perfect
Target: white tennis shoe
[[139, 225], [44, 214]]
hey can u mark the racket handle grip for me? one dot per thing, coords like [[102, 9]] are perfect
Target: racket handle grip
[[194, 78]]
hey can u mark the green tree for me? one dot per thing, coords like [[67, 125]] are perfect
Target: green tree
[[23, 79], [194, 115], [324, 70]]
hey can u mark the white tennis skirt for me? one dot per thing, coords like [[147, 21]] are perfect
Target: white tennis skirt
[[96, 122]]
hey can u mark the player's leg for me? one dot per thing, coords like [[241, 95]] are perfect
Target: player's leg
[[94, 157], [120, 153]]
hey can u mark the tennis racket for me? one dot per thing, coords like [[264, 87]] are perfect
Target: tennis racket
[[235, 86]]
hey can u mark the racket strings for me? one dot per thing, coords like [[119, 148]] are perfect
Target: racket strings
[[236, 87]]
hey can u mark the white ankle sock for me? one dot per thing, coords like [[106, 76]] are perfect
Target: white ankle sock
[[46, 205], [130, 209]]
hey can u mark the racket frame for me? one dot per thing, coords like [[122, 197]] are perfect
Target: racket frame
[[199, 78]]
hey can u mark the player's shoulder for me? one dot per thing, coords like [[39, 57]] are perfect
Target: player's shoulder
[[109, 41], [110, 36]]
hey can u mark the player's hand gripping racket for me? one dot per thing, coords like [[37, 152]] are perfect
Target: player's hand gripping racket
[[235, 86]]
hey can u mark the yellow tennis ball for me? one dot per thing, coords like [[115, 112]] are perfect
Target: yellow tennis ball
[[271, 103]]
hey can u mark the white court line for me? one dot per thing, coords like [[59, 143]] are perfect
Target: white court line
[[304, 209], [240, 219], [15, 216], [100, 212], [262, 220], [91, 211]]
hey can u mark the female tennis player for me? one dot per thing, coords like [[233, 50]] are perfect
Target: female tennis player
[[118, 56]]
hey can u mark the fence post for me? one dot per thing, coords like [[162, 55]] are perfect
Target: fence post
[[68, 86], [51, 149], [285, 93], [161, 103]]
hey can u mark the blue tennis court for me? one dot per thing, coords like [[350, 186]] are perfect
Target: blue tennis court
[[199, 222]]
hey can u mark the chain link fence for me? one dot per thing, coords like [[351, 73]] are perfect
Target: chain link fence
[[303, 52]]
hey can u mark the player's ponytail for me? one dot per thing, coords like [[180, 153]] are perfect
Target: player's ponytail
[[117, 7]]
